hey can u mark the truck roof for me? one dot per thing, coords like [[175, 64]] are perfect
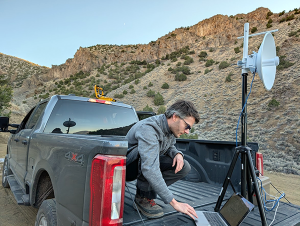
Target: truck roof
[[73, 97]]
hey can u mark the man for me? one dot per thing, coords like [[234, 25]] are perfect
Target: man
[[154, 161]]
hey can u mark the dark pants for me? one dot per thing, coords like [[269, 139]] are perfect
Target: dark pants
[[133, 171]]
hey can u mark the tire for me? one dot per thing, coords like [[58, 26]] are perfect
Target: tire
[[6, 171], [46, 215]]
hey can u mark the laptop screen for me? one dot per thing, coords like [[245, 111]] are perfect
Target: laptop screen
[[236, 209]]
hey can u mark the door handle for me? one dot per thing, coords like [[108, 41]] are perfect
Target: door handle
[[24, 142], [17, 140]]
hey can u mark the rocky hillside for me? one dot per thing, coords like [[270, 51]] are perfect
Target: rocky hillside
[[18, 69], [196, 63]]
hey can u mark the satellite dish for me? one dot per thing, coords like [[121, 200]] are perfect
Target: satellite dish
[[266, 61]]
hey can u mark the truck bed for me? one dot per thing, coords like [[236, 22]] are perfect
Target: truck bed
[[202, 196], [198, 195]]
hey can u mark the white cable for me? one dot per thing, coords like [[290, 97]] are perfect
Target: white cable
[[274, 202], [274, 215]]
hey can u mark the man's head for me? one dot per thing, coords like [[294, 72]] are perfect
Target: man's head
[[181, 117]]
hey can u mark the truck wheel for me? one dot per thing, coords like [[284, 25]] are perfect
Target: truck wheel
[[46, 215], [6, 171]]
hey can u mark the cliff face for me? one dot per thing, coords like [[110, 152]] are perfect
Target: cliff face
[[216, 92], [223, 30], [214, 32]]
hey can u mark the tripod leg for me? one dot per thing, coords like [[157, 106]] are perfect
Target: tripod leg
[[256, 190], [249, 184], [243, 174], [227, 180]]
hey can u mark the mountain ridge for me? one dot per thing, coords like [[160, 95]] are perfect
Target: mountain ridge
[[216, 91]]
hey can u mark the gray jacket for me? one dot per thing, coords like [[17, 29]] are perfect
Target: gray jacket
[[151, 138]]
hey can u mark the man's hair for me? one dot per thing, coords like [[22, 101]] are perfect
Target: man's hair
[[183, 109]]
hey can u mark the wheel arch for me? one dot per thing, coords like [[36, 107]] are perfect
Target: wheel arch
[[42, 188]]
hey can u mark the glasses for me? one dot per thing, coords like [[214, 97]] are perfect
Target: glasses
[[187, 125]]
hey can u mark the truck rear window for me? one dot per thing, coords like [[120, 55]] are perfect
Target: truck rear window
[[78, 117]]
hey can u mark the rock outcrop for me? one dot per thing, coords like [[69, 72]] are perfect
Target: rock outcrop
[[276, 129]]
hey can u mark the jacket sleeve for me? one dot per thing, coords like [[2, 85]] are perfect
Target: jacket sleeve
[[148, 148], [172, 151]]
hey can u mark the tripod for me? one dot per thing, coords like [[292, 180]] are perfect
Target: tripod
[[247, 172]]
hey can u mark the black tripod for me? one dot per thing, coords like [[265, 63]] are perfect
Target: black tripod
[[248, 176]]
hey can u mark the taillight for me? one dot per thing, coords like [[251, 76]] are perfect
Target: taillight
[[107, 186], [260, 162]]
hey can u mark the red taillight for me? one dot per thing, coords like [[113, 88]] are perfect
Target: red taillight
[[260, 162], [107, 186]]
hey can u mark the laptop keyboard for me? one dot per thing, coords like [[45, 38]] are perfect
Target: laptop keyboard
[[213, 218]]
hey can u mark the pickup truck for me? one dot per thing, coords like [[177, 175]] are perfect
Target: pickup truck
[[68, 158]]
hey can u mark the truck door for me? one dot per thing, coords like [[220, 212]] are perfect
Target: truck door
[[16, 144], [22, 145]]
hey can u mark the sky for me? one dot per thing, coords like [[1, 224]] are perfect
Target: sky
[[49, 32]]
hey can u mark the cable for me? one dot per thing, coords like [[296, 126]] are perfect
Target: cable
[[243, 109], [274, 215], [275, 202], [134, 204], [280, 193], [275, 188]]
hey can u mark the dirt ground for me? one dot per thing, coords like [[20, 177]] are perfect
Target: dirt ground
[[12, 214], [287, 183]]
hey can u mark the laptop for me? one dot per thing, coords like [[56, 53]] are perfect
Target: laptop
[[232, 213]]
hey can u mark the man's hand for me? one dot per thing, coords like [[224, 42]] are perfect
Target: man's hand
[[179, 160], [184, 208]]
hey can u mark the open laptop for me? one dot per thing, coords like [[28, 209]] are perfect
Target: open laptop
[[232, 213]]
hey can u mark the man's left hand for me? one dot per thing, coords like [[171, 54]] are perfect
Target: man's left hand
[[179, 160]]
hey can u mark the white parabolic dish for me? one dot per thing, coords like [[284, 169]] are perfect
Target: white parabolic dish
[[267, 61]]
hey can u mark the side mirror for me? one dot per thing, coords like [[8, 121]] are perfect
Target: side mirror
[[4, 121]]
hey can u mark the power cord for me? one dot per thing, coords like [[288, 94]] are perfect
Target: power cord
[[274, 215], [134, 204], [276, 189], [275, 202], [243, 110]]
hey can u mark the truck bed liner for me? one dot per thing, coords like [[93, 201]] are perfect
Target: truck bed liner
[[202, 196], [195, 194]]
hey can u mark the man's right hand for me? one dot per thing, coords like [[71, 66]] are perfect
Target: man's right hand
[[184, 208]]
